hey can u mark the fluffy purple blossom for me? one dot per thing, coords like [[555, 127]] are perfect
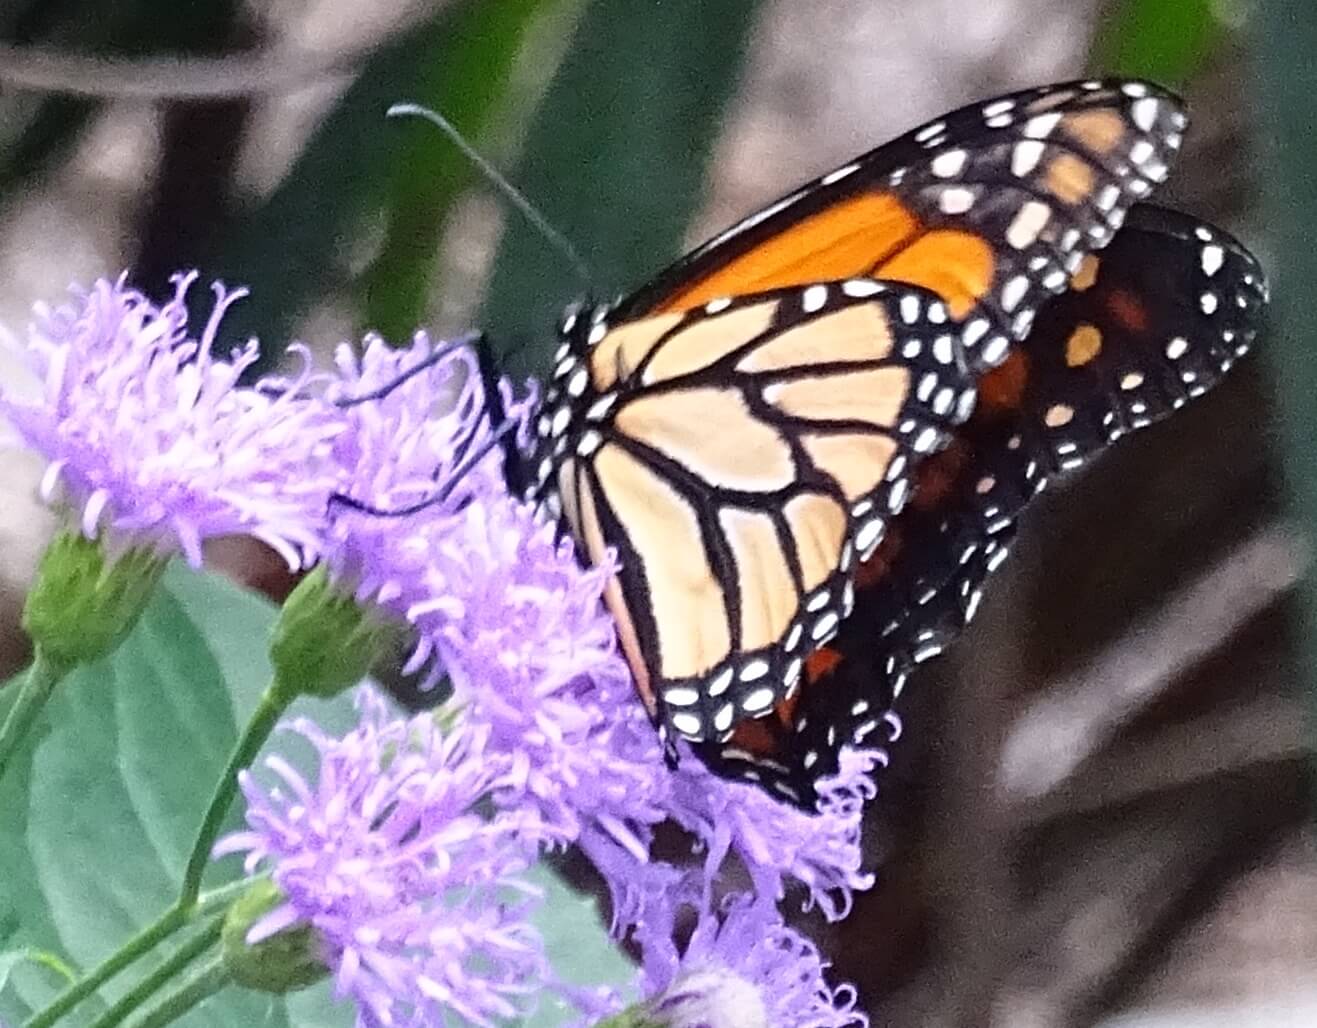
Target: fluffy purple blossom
[[777, 842], [501, 604], [150, 438], [744, 966], [523, 633], [415, 896], [498, 602]]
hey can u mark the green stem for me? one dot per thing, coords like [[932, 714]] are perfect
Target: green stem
[[201, 986], [271, 707], [161, 976], [141, 944], [38, 683]]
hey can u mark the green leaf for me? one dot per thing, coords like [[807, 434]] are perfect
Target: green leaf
[[578, 945], [616, 156], [108, 800], [1163, 40], [465, 79]]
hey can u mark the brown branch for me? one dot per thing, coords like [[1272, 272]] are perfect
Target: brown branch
[[258, 73], [1079, 714]]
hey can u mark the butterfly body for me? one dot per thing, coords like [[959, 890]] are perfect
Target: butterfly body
[[807, 441]]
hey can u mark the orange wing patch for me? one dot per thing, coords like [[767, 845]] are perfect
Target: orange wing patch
[[958, 266], [845, 240]]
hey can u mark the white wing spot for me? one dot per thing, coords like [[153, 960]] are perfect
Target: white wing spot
[[1144, 113], [1029, 220], [1013, 292], [910, 308], [1209, 303], [1213, 258], [814, 298], [718, 685], [975, 331], [590, 441], [824, 627], [944, 351], [1025, 157], [995, 350], [760, 699], [839, 174], [956, 200], [869, 535], [1040, 126], [929, 131], [859, 287], [949, 164], [997, 107]]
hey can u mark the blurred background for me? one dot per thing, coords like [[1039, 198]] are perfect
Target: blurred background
[[1099, 812]]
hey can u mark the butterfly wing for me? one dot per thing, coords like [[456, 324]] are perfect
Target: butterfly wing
[[991, 207], [1156, 319], [741, 460]]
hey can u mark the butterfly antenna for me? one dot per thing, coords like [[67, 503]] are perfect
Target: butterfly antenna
[[434, 358], [509, 191]]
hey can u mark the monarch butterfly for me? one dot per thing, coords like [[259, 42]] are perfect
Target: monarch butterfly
[[808, 439]]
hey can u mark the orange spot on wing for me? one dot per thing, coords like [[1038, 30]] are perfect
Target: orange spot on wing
[[1084, 344], [1001, 390], [956, 265], [1128, 310], [840, 241], [939, 474], [879, 564], [821, 662]]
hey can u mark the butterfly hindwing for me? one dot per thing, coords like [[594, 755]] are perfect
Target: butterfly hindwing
[[1131, 342], [991, 207]]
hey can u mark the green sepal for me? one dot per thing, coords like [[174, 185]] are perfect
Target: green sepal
[[324, 641], [284, 962], [83, 603]]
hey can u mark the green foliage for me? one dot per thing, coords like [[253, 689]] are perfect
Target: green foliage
[[616, 156], [100, 812], [1163, 40], [1288, 39], [466, 79]]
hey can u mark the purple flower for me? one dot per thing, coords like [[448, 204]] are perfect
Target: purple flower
[[777, 842], [525, 637], [502, 604], [416, 897], [150, 438], [744, 967]]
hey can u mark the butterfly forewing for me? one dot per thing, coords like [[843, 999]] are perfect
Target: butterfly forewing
[[991, 206], [1132, 341], [742, 458]]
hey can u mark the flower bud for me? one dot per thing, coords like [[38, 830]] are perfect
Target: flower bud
[[285, 961], [324, 641], [83, 602]]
